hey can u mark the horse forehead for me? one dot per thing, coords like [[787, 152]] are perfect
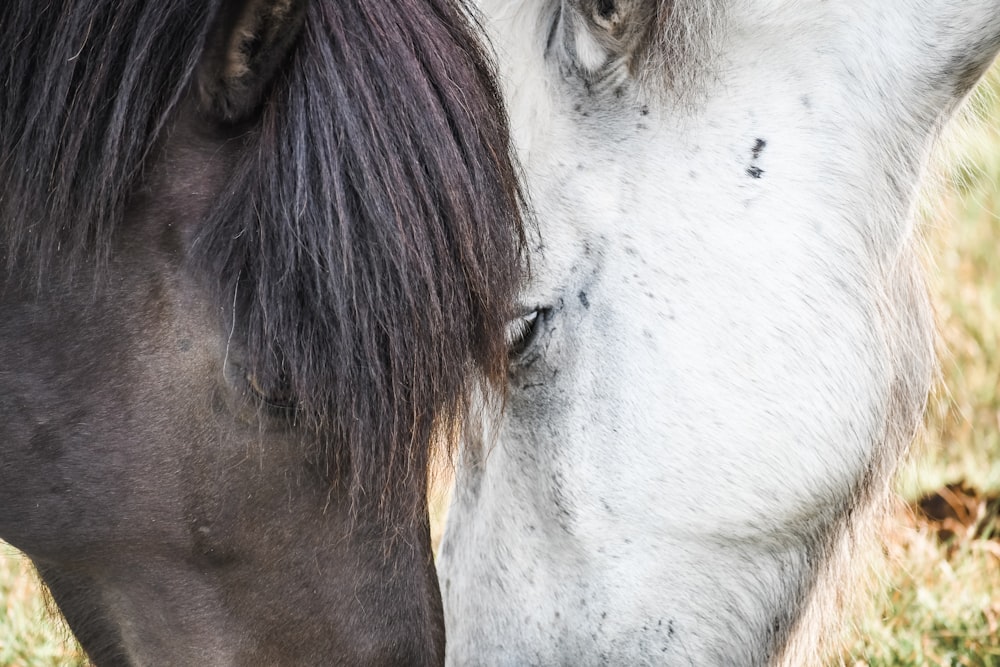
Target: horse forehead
[[744, 178], [710, 231], [787, 66]]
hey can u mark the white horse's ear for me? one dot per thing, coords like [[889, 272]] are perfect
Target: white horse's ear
[[249, 42], [596, 32]]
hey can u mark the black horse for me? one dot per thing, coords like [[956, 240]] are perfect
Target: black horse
[[255, 255]]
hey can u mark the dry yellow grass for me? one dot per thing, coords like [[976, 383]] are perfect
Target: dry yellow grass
[[940, 600], [29, 636]]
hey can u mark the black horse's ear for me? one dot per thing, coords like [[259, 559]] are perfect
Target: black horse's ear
[[598, 31], [249, 42]]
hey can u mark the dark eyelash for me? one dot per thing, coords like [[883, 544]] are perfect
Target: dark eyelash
[[522, 331], [280, 398]]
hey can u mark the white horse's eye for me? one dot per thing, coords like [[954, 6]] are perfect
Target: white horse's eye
[[521, 332]]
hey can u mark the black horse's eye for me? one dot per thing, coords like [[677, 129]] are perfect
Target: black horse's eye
[[522, 331], [276, 397]]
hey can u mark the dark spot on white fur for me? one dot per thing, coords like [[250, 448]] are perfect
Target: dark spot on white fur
[[753, 171]]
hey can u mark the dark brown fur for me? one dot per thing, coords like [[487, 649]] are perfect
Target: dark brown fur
[[257, 253]]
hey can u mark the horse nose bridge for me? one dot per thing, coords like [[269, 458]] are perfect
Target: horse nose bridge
[[305, 588], [300, 607], [374, 586], [747, 415], [343, 575]]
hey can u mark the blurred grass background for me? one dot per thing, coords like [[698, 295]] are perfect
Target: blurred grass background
[[938, 603], [29, 635]]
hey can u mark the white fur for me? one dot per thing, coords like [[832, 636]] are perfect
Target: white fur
[[731, 365]]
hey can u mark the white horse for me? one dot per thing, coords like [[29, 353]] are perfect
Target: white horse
[[727, 345]]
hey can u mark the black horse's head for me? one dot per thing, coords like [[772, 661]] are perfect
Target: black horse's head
[[256, 253]]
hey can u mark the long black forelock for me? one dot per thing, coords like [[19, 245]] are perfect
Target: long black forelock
[[373, 233], [86, 86], [371, 229]]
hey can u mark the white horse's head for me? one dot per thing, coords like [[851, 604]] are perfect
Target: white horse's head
[[727, 344]]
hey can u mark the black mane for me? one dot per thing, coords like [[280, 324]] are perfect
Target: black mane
[[371, 230], [86, 87]]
